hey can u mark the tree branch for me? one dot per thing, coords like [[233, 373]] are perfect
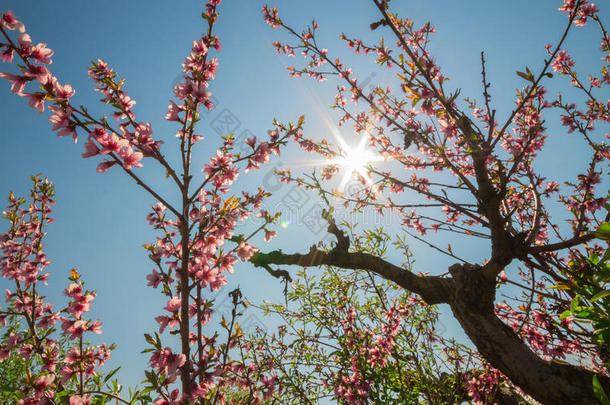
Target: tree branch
[[433, 289], [561, 245]]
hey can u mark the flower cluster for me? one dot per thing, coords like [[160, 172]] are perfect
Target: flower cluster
[[368, 347], [584, 12], [54, 364], [190, 256], [126, 145]]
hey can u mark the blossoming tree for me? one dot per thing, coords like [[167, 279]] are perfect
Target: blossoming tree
[[190, 256], [494, 192], [351, 336]]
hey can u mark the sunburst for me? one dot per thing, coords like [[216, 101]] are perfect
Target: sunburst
[[355, 160]]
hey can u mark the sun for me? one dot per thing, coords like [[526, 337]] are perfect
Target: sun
[[355, 160], [352, 160]]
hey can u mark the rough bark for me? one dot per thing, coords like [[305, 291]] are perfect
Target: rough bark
[[547, 381], [509, 396]]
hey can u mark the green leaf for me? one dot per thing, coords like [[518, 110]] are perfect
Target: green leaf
[[599, 392], [523, 75], [565, 314], [594, 259], [606, 256], [600, 295], [605, 336], [109, 376], [574, 304], [604, 274], [62, 394], [150, 339], [603, 231], [527, 76]]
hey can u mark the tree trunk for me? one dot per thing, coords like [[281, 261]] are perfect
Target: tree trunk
[[549, 382]]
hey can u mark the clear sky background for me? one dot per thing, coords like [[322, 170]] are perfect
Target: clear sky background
[[100, 219]]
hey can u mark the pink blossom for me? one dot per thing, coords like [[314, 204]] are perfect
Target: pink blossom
[[586, 10], [269, 235], [42, 54], [25, 351], [245, 251], [112, 144], [80, 400], [61, 120], [81, 304], [199, 92], [17, 82], [251, 141], [271, 16], [91, 148], [99, 134], [73, 290], [24, 41], [200, 48], [43, 382], [37, 72], [126, 102], [96, 327], [227, 262], [165, 321], [35, 100], [154, 278], [7, 55], [166, 361], [145, 142], [104, 166], [173, 305], [130, 158], [66, 373], [174, 110], [63, 93], [568, 6], [562, 61], [74, 328], [9, 21], [182, 90]]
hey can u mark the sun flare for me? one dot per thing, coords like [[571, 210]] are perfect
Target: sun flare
[[354, 160]]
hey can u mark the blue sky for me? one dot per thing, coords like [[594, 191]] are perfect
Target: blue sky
[[100, 219]]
